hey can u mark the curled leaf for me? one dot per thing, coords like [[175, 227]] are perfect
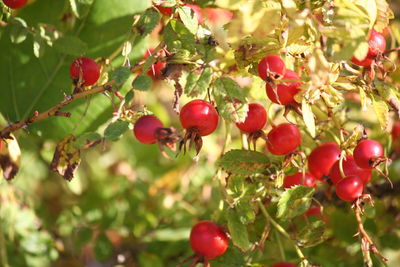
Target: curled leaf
[[66, 157]]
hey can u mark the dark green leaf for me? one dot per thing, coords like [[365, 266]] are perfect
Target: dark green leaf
[[148, 21], [129, 96], [237, 230], [244, 162], [294, 201], [114, 131], [197, 84], [231, 100], [120, 75], [103, 248], [70, 45], [142, 82], [311, 235]]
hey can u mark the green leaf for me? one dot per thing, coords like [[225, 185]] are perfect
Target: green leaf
[[70, 45], [244, 162], [294, 201], [148, 21], [128, 97], [120, 75], [80, 8], [18, 30], [381, 110], [197, 84], [114, 131], [189, 18], [231, 100], [237, 231], [177, 36], [103, 248], [142, 82], [311, 234], [384, 14], [308, 117]]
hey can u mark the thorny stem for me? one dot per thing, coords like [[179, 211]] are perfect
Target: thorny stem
[[367, 245], [281, 230]]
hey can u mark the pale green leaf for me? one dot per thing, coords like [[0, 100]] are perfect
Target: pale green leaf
[[294, 201], [244, 162], [308, 117], [189, 18], [381, 110], [237, 231], [197, 84]]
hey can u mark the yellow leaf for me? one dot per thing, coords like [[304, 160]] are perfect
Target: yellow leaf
[[10, 157]]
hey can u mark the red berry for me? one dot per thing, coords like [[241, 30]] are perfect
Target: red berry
[[367, 62], [283, 139], [286, 91], [1, 144], [322, 159], [349, 168], [156, 70], [377, 43], [197, 10], [366, 151], [145, 129], [165, 10], [271, 65], [314, 211], [395, 130], [199, 115], [349, 188], [208, 239], [87, 68], [218, 16], [298, 179], [284, 264], [255, 119], [15, 4]]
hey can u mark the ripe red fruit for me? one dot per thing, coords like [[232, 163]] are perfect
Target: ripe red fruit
[[284, 264], [322, 159], [314, 211], [1, 144], [349, 168], [366, 151], [199, 115], [255, 119], [15, 4], [283, 139], [286, 91], [271, 66], [366, 62], [85, 67], [208, 239], [218, 16], [165, 10], [197, 10], [377, 43], [298, 179], [349, 188], [395, 130], [145, 129], [157, 68]]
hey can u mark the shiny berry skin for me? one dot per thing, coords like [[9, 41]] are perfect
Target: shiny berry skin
[[284, 264], [156, 70], [15, 4], [165, 10], [349, 188], [199, 115], [208, 239], [366, 151], [367, 62], [255, 119], [197, 10], [349, 168], [322, 159], [297, 179], [271, 66], [395, 130], [87, 67], [283, 139], [145, 129], [286, 91], [377, 43]]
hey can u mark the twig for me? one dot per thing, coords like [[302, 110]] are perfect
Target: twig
[[367, 245], [54, 111]]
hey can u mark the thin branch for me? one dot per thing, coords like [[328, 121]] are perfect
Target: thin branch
[[54, 111]]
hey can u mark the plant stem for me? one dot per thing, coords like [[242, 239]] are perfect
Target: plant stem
[[282, 231], [280, 246]]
